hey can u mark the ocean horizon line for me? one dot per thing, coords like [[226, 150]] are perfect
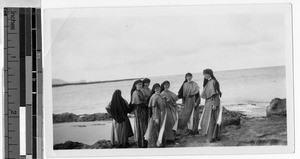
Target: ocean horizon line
[[131, 79]]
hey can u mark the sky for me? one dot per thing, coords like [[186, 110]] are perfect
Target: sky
[[104, 44]]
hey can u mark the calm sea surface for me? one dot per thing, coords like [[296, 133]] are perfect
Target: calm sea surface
[[238, 87], [248, 90]]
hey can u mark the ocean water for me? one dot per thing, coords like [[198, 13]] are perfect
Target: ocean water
[[249, 91], [84, 132], [249, 86]]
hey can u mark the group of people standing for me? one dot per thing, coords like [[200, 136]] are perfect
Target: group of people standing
[[158, 116]]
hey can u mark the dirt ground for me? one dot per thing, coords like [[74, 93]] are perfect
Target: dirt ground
[[261, 131]]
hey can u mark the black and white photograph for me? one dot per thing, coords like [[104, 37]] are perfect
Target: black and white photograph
[[169, 77]]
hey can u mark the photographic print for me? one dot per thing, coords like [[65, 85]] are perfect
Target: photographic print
[[169, 77]]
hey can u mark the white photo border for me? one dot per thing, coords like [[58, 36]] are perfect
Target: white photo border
[[48, 124]]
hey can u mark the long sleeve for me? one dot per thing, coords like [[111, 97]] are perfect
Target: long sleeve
[[174, 97], [135, 98], [169, 97], [130, 108], [190, 89], [155, 112], [215, 100], [108, 108], [209, 90]]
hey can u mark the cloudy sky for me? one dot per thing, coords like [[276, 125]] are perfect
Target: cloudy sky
[[116, 43]]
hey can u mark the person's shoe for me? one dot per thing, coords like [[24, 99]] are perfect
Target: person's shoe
[[214, 140], [194, 132], [126, 145], [170, 142], [189, 132]]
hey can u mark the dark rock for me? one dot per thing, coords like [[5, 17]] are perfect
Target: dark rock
[[231, 117], [58, 146], [228, 117], [64, 117], [70, 117], [101, 144], [69, 145], [277, 107]]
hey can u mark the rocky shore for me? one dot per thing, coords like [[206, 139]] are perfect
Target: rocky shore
[[70, 117], [236, 130]]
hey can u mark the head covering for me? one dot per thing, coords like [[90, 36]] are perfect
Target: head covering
[[134, 87], [153, 88], [211, 73], [118, 107], [180, 92], [155, 98], [188, 74], [208, 71], [162, 88], [146, 80]]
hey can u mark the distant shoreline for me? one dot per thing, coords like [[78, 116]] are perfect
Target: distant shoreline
[[95, 82], [131, 79], [70, 117]]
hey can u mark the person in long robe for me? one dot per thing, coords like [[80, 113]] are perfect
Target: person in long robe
[[157, 121], [121, 127], [211, 118], [138, 101], [146, 90], [189, 92], [171, 110]]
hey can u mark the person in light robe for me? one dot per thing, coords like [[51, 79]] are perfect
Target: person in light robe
[[171, 110], [121, 127], [138, 102], [189, 92], [211, 118], [157, 121]]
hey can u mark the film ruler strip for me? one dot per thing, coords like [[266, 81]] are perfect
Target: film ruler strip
[[23, 111]]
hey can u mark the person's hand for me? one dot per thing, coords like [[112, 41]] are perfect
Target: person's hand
[[156, 121], [214, 107]]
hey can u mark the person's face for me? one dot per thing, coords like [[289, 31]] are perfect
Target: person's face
[[139, 86], [167, 86], [206, 76], [189, 78], [146, 85], [157, 90]]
